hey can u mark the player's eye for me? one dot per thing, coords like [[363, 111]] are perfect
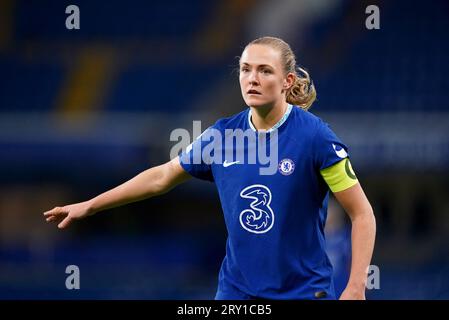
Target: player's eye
[[266, 71], [244, 69]]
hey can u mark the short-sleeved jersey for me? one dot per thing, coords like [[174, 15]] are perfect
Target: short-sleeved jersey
[[275, 222]]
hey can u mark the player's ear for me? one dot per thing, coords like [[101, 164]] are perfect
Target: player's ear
[[289, 80]]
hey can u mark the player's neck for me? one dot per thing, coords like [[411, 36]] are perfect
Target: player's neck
[[265, 117]]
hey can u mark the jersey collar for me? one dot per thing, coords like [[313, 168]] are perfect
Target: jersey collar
[[278, 124]]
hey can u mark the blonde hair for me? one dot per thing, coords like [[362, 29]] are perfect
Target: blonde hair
[[302, 93]]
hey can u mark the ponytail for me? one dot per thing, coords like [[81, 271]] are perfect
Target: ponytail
[[302, 93]]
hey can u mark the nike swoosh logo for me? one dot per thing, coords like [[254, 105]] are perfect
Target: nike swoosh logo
[[227, 164], [341, 153]]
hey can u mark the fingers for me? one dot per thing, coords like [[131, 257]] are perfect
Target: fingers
[[56, 211], [65, 223], [50, 218]]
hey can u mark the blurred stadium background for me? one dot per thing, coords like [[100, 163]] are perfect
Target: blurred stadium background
[[84, 110]]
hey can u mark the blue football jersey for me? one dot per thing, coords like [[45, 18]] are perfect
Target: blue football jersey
[[276, 246]]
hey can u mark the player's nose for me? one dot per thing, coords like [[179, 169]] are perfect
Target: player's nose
[[253, 78]]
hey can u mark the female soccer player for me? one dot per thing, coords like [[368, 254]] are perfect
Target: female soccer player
[[275, 221]]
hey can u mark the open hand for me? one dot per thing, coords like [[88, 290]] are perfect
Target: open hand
[[67, 214]]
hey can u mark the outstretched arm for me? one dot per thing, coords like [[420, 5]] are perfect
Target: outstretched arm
[[357, 206], [147, 184]]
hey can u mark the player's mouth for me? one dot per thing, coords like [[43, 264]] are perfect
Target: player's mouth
[[253, 92]]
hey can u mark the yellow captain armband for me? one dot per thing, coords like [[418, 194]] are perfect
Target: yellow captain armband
[[339, 176]]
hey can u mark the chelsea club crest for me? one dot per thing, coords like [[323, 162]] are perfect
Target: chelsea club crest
[[286, 167]]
